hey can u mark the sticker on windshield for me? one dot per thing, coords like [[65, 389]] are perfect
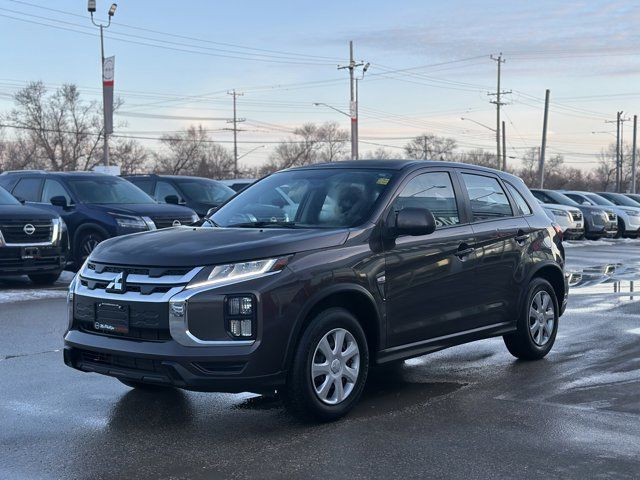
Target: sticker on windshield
[[383, 181]]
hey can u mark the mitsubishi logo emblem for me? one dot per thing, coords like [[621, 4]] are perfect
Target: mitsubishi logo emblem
[[118, 284], [29, 229]]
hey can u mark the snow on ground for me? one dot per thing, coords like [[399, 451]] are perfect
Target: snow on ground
[[20, 289]]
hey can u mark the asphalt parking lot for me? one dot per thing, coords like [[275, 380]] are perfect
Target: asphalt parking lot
[[468, 412]]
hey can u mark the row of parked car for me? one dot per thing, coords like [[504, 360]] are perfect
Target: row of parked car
[[52, 220], [592, 215]]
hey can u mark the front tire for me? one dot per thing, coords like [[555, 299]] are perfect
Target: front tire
[[329, 367], [44, 278], [86, 243], [537, 324]]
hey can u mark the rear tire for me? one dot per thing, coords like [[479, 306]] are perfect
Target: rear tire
[[326, 387], [144, 386], [537, 324], [44, 278]]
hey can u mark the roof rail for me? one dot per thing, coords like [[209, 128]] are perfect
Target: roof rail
[[21, 171]]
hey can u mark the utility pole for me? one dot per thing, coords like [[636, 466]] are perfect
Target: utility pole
[[498, 104], [504, 148], [107, 79], [544, 137], [353, 106], [235, 122], [619, 121], [634, 154]]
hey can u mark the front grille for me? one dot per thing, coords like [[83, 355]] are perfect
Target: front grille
[[147, 334], [121, 361], [13, 231], [153, 272], [142, 289], [576, 216], [165, 222]]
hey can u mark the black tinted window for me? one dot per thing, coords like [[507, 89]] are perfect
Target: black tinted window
[[28, 189], [144, 184], [523, 206], [434, 192], [487, 197]]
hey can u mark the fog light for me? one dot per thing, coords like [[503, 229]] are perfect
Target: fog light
[[240, 306], [241, 328]]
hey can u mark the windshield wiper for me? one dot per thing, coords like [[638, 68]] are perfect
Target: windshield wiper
[[261, 224]]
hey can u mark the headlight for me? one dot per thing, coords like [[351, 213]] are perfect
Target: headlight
[[633, 213], [560, 213], [130, 222], [237, 272], [194, 218], [70, 294], [58, 227]]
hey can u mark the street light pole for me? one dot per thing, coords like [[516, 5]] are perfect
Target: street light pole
[[106, 109]]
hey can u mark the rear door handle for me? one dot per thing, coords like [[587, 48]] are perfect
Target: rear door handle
[[464, 252]]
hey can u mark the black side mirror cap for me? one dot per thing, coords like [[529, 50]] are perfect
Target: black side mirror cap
[[58, 201], [414, 222], [173, 199]]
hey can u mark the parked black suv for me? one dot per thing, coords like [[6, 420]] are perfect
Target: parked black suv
[[305, 279], [94, 206], [33, 242], [197, 193]]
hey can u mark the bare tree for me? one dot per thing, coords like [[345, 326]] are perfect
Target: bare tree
[[380, 154], [479, 157], [193, 152], [59, 131], [431, 147], [311, 144]]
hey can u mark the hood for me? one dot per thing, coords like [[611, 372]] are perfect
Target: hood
[[559, 206], [142, 209], [192, 247], [590, 209], [24, 212]]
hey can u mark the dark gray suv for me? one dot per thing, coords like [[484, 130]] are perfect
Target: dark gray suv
[[310, 276]]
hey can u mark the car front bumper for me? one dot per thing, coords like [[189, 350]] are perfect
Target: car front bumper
[[229, 369], [30, 260]]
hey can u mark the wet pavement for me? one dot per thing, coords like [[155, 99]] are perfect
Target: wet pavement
[[468, 412]]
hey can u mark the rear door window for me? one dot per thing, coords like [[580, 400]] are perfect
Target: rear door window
[[521, 203], [144, 184], [488, 200], [28, 189]]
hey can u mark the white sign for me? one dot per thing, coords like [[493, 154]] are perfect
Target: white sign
[[108, 69], [109, 170]]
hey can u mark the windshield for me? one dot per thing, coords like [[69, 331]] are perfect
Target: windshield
[[620, 199], [205, 191], [111, 190], [562, 199], [6, 198], [598, 200], [322, 198]]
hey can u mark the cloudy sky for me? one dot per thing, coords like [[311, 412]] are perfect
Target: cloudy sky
[[430, 66]]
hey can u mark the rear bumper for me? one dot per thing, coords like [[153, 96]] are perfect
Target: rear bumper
[[230, 369]]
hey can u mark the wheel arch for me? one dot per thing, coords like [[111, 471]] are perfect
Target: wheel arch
[[352, 297], [553, 274]]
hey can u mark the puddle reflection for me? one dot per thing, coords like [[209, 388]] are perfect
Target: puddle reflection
[[612, 278]]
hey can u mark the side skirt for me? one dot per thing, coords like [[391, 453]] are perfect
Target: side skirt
[[416, 349]]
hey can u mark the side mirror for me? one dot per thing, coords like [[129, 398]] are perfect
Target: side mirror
[[414, 222], [58, 201], [173, 199], [211, 211]]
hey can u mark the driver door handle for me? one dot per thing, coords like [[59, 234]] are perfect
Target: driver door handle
[[463, 252]]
